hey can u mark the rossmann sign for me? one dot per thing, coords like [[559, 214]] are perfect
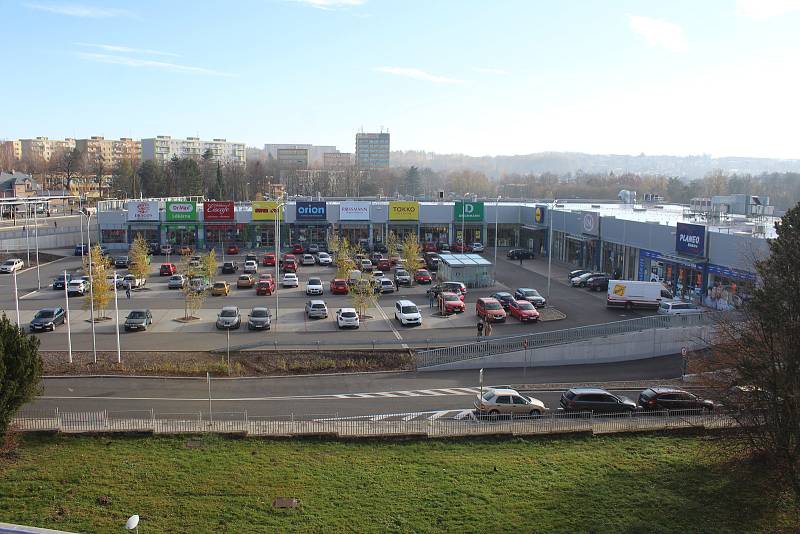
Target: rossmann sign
[[311, 211], [218, 211], [690, 239]]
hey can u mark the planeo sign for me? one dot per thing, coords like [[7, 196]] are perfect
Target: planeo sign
[[181, 211]]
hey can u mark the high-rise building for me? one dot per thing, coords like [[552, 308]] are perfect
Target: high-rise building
[[11, 149], [315, 152], [42, 148], [112, 151], [292, 158], [372, 151], [337, 160], [163, 148]]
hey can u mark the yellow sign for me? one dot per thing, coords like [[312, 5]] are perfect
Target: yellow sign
[[403, 211], [267, 210], [619, 290]]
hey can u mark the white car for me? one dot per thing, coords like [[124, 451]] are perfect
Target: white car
[[307, 259], [407, 313], [324, 259], [250, 267], [11, 265], [477, 247], [114, 279], [347, 318], [166, 249], [377, 275], [314, 286], [677, 307], [387, 285], [77, 287], [290, 280]]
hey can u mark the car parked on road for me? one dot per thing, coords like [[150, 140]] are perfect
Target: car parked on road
[[289, 265], [259, 319], [60, 281], [314, 286], [221, 288], [290, 280], [11, 265], [297, 248], [47, 319], [80, 250], [245, 281], [531, 295], [232, 250], [77, 287], [575, 273], [503, 297], [386, 285], [316, 309], [448, 287], [580, 281], [506, 401], [184, 250], [490, 309], [307, 259], [595, 400], [130, 280], [402, 278], [167, 269], [422, 276], [265, 286], [671, 398], [365, 265], [176, 281], [520, 253], [407, 313], [199, 283], [347, 318], [478, 247], [269, 259], [116, 280], [451, 302], [597, 283], [678, 307], [523, 310], [138, 320], [166, 249], [324, 259], [229, 318], [313, 248]]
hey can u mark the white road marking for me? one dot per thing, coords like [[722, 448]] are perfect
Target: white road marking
[[451, 391], [411, 416], [390, 323], [464, 413], [437, 415], [382, 416]]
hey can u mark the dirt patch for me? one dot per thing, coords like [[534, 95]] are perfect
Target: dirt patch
[[248, 363], [551, 314]]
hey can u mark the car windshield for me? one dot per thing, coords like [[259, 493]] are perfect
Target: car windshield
[[8, 262], [244, 277], [524, 305], [259, 313], [528, 292], [318, 306], [228, 313], [401, 272], [410, 309], [314, 282], [423, 273], [44, 314], [493, 306], [451, 298], [488, 396], [348, 314], [136, 315], [216, 284], [502, 295], [323, 254], [175, 278], [290, 276]]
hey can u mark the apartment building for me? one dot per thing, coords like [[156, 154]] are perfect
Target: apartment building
[[12, 150], [292, 158], [43, 148], [316, 153], [163, 148], [337, 160], [372, 151]]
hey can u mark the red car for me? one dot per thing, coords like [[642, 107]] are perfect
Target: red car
[[265, 286], [384, 265], [269, 259], [339, 286], [523, 310], [297, 248], [490, 310], [429, 246], [451, 303], [167, 269], [289, 266], [422, 276], [460, 247], [232, 249]]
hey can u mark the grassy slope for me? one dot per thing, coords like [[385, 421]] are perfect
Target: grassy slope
[[607, 484]]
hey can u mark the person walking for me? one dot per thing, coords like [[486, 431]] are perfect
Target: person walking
[[480, 327], [487, 330], [128, 290], [520, 260]]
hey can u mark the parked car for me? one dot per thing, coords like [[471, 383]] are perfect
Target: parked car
[[580, 281], [636, 294], [339, 286], [184, 250], [155, 247], [245, 281], [429, 246], [229, 318], [316, 309], [103, 250], [116, 280], [121, 261], [221, 288], [386, 285], [314, 286], [167, 269], [347, 318], [380, 247], [130, 280], [354, 276], [671, 398], [11, 265], [677, 307], [251, 256], [313, 248], [230, 267], [259, 319], [324, 259], [478, 247], [384, 264], [442, 246], [506, 401], [407, 313], [503, 297], [422, 276], [195, 262], [290, 280], [269, 259], [597, 283], [451, 287], [451, 302], [517, 253], [490, 309], [531, 295], [289, 265], [365, 265], [77, 287], [375, 257], [198, 284], [232, 250], [48, 319], [265, 286], [297, 248], [377, 275], [573, 274], [431, 261], [402, 278], [250, 267], [138, 320], [460, 247], [307, 259], [595, 400], [176, 281], [166, 249], [523, 310], [81, 250], [61, 281]]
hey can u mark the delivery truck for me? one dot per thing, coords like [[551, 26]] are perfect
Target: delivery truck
[[631, 294]]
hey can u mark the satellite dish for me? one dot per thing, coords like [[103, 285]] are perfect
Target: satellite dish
[[133, 522]]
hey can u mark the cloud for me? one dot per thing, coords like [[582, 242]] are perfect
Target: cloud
[[765, 9], [331, 4], [417, 74], [80, 10], [484, 70], [658, 32], [135, 62], [127, 50]]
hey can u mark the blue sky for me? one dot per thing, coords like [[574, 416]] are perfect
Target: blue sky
[[471, 76]]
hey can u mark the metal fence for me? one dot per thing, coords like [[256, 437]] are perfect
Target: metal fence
[[504, 345], [385, 425]]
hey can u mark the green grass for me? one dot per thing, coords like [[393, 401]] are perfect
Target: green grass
[[643, 483]]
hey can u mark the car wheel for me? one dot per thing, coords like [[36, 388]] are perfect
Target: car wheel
[[535, 413], [493, 413]]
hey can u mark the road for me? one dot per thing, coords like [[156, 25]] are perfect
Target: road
[[347, 395]]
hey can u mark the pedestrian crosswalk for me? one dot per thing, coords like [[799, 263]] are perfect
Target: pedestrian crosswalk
[[457, 415], [410, 393]]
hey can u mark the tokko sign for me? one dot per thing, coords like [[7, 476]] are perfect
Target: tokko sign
[[181, 211], [470, 211], [311, 211], [353, 210], [142, 210], [403, 211], [690, 239], [218, 211]]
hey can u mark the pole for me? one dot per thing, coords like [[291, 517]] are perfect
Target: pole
[[36, 239], [463, 236], [69, 331], [494, 267], [16, 297], [116, 310], [210, 413], [91, 286], [228, 336], [277, 266], [480, 379], [27, 232], [550, 249]]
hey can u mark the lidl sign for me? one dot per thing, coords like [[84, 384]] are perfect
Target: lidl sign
[[181, 211], [468, 211]]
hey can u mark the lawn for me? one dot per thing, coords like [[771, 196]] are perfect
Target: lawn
[[642, 483]]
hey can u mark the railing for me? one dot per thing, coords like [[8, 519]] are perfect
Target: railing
[[385, 425], [505, 345]]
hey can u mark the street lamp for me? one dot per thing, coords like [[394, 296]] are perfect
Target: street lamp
[[116, 311], [496, 210], [69, 331], [550, 247], [36, 239], [463, 236], [86, 213], [278, 210]]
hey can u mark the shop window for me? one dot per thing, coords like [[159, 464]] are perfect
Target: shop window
[[112, 236]]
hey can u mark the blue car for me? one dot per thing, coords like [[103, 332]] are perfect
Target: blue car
[[80, 250]]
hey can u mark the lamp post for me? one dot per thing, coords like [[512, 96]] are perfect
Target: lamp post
[[116, 311], [550, 248], [69, 331], [463, 236], [496, 210], [27, 233], [278, 211], [16, 297], [88, 216], [36, 239]]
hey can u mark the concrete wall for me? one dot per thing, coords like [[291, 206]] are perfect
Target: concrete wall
[[735, 251], [66, 235]]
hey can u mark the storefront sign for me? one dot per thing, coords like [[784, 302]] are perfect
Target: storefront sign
[[142, 210], [403, 211], [218, 211], [471, 211], [311, 211], [591, 223], [538, 214], [181, 211], [267, 210], [690, 239], [352, 210]]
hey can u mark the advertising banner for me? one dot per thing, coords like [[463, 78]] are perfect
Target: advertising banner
[[145, 210], [471, 211], [539, 214], [591, 223], [353, 210], [403, 211], [311, 211], [690, 239], [181, 211], [218, 211], [267, 210]]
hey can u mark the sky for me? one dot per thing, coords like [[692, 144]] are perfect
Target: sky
[[478, 77]]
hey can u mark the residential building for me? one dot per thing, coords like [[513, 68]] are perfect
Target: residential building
[[292, 158], [337, 160], [163, 148], [372, 151], [42, 148], [12, 149], [315, 152]]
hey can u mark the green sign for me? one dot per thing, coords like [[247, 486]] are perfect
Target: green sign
[[181, 211], [471, 211]]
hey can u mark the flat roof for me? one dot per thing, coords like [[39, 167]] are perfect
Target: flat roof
[[463, 260]]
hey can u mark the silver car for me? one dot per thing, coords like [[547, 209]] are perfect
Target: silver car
[[259, 319], [505, 401], [176, 281], [677, 307], [316, 309], [229, 318]]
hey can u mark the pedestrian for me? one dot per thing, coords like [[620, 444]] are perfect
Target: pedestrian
[[128, 290], [487, 330], [520, 260], [480, 327], [55, 223]]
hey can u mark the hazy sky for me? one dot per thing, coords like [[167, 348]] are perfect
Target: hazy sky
[[471, 76]]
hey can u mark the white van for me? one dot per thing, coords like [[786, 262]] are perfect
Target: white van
[[630, 294]]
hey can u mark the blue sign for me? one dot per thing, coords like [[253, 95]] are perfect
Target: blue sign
[[690, 239], [311, 211]]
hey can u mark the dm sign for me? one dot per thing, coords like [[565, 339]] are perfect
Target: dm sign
[[311, 211], [690, 239], [181, 211], [470, 211]]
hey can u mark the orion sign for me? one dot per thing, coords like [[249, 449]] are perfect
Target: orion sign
[[311, 211]]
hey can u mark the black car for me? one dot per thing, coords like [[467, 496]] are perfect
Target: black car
[[48, 319], [121, 261], [504, 298], [520, 253], [155, 247], [531, 295], [380, 247], [669, 398], [597, 283], [443, 247], [432, 261], [60, 282], [229, 267], [595, 400]]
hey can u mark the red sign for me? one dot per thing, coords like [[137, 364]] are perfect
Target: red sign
[[218, 211]]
